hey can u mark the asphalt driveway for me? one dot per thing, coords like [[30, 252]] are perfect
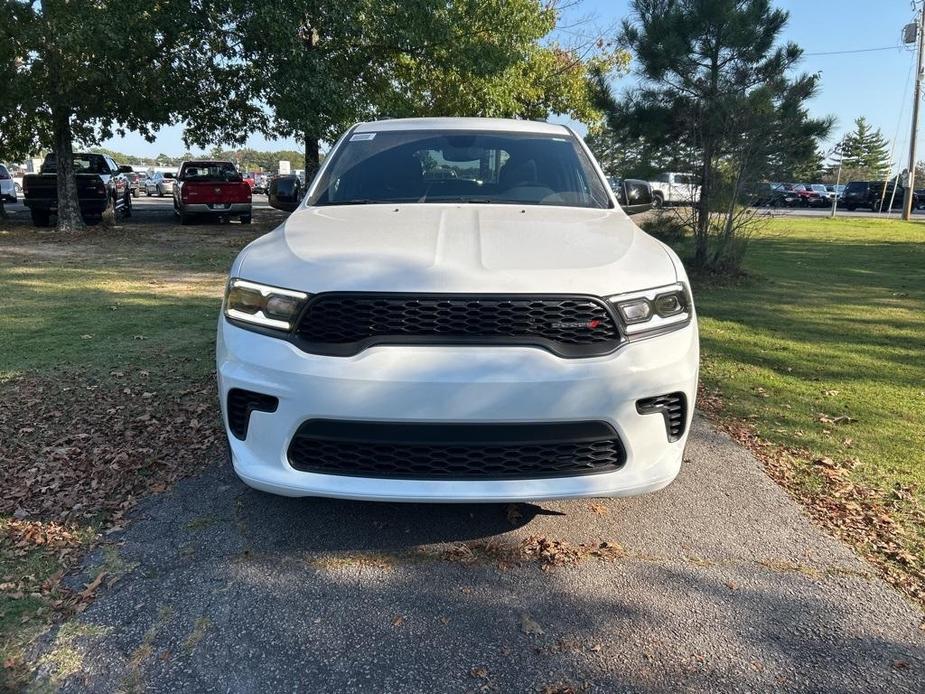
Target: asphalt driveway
[[722, 584]]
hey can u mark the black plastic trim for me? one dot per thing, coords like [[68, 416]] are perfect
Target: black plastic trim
[[656, 405], [251, 402]]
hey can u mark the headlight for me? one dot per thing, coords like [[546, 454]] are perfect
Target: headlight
[[660, 309], [259, 304]]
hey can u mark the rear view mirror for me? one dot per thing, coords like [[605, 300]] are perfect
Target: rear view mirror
[[285, 192], [634, 196]]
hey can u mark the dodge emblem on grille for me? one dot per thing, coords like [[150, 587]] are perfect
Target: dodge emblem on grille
[[590, 325]]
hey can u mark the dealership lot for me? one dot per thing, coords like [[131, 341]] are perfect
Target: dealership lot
[[719, 581]]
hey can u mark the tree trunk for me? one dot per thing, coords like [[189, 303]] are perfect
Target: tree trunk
[[69, 219], [702, 231], [312, 158]]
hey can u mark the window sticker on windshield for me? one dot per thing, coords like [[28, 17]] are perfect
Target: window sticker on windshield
[[362, 136]]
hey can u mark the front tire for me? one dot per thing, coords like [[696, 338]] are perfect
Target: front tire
[[245, 219], [160, 192], [40, 218], [127, 206], [658, 201]]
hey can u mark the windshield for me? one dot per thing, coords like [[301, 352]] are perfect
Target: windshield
[[460, 166]]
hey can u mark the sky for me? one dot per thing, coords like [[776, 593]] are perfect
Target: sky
[[876, 84]]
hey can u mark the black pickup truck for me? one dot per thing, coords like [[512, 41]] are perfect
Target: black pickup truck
[[101, 186]]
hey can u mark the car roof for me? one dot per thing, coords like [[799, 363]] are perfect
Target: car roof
[[487, 124], [206, 162]]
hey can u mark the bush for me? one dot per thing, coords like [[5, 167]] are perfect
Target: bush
[[667, 226]]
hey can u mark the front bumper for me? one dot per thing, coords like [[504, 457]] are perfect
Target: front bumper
[[456, 384]]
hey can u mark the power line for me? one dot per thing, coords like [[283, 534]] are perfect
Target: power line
[[858, 50]]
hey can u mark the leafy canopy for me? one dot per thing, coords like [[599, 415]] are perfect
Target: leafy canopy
[[317, 66], [103, 66]]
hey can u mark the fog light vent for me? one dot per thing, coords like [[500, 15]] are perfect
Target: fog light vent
[[673, 407], [240, 405]]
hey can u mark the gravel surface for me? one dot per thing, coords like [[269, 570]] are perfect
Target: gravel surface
[[725, 585]]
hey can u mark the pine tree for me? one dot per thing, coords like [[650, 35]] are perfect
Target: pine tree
[[865, 152]]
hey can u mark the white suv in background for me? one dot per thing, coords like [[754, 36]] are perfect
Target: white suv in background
[[7, 185], [458, 311]]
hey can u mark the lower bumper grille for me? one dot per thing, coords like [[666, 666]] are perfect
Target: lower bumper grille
[[456, 451]]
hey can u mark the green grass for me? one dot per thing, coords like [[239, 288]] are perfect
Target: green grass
[[831, 321], [129, 303]]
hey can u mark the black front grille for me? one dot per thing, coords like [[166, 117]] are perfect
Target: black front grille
[[673, 407], [240, 405], [345, 323], [456, 451]]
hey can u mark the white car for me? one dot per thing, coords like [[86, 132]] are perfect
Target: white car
[[507, 334], [160, 184]]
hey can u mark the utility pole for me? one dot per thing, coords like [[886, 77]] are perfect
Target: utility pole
[[910, 189]]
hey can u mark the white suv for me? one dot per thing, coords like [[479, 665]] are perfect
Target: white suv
[[459, 311]]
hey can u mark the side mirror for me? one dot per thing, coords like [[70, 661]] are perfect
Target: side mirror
[[126, 169], [285, 192], [635, 196]]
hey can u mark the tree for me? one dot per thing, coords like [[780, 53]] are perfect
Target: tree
[[865, 152], [715, 81], [319, 66], [70, 75]]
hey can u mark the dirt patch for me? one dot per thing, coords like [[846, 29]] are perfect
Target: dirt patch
[[545, 552]]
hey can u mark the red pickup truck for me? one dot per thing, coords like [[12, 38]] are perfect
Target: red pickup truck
[[211, 188]]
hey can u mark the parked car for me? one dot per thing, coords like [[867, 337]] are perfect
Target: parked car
[[803, 195], [250, 179], [768, 194], [502, 336], [875, 195], [160, 184], [100, 187], [211, 188], [675, 189], [261, 182], [135, 180], [835, 191], [7, 186], [920, 198]]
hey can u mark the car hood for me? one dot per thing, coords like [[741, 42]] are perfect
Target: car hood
[[457, 248]]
